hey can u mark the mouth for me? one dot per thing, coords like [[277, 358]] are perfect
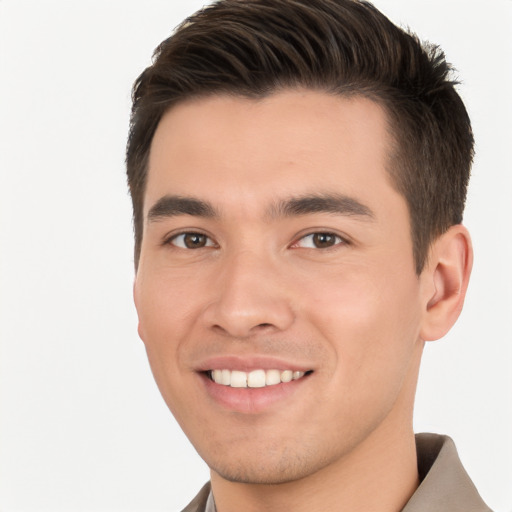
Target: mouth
[[253, 384], [254, 379]]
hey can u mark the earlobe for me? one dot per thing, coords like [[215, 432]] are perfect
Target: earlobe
[[447, 276]]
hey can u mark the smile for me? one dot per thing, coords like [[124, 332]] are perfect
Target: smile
[[255, 378]]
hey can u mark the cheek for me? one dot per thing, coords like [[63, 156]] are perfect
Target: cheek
[[163, 307], [371, 320], [164, 313]]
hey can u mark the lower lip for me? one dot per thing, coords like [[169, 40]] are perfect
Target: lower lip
[[251, 400]]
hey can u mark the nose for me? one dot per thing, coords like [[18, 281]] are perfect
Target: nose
[[250, 298]]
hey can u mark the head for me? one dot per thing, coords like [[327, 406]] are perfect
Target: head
[[346, 48], [298, 173]]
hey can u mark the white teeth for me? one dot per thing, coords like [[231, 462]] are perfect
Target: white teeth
[[225, 378], [273, 377], [254, 379], [238, 379], [217, 375], [286, 376]]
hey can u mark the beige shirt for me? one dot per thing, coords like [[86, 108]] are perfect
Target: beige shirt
[[444, 484]]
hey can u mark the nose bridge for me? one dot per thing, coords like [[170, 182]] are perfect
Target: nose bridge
[[251, 295]]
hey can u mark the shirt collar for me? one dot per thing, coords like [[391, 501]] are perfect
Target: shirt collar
[[445, 486], [210, 504]]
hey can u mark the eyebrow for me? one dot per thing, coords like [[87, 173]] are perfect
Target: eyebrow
[[172, 206], [339, 204]]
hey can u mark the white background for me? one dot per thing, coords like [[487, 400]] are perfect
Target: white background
[[83, 427]]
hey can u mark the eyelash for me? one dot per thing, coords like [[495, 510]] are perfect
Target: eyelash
[[295, 245]]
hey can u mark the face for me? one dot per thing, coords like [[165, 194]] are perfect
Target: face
[[276, 290]]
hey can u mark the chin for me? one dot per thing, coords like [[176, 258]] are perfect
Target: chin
[[259, 476], [268, 469]]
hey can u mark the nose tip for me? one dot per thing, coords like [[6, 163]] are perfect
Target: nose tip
[[249, 321], [251, 299]]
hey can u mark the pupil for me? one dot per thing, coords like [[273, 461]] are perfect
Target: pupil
[[194, 240], [323, 239]]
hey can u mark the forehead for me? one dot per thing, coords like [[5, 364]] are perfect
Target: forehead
[[242, 151]]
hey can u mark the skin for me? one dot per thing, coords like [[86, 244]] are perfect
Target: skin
[[354, 313]]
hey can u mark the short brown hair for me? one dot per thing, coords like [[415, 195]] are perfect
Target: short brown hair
[[343, 47]]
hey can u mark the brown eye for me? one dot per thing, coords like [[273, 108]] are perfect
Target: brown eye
[[320, 241], [191, 241], [323, 240], [194, 240]]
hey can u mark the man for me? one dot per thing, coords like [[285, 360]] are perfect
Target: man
[[298, 171]]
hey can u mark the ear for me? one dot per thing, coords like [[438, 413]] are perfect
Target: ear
[[445, 279]]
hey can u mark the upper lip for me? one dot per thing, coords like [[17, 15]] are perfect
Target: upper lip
[[250, 363]]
